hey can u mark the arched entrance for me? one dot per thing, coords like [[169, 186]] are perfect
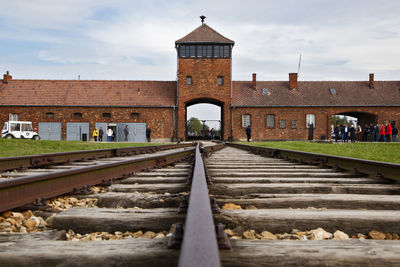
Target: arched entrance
[[363, 118], [207, 122]]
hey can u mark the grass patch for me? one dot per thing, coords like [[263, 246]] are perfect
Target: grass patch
[[22, 147], [387, 152]]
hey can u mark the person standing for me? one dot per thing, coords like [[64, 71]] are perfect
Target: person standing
[[395, 132], [109, 134], [248, 133], [345, 133], [382, 133], [388, 131], [95, 134], [376, 132], [336, 130], [212, 132], [148, 134], [358, 133], [101, 133], [352, 131], [126, 133]]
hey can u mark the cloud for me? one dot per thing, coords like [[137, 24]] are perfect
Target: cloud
[[125, 39]]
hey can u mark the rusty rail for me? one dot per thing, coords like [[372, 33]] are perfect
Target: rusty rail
[[199, 246], [20, 191], [24, 162], [368, 167]]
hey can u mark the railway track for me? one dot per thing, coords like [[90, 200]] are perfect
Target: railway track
[[273, 210]]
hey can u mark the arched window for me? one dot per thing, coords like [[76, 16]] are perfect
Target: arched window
[[77, 115]]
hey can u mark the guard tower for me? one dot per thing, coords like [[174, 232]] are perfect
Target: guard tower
[[204, 75]]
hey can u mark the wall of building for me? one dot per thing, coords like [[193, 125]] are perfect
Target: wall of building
[[260, 131], [158, 119], [204, 73]]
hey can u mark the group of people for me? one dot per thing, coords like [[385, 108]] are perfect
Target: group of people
[[98, 134], [384, 132]]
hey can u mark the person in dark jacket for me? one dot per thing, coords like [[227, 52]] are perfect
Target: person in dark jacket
[[352, 131], [101, 133], [336, 130], [395, 132], [148, 134], [248, 133], [126, 133], [376, 133]]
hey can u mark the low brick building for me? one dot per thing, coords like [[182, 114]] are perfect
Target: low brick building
[[275, 109]]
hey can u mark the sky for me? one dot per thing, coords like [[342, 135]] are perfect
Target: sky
[[135, 40]]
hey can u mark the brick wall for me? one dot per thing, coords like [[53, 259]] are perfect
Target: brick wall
[[158, 119], [204, 73], [260, 131]]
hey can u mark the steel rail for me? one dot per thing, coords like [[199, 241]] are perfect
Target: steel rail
[[372, 168], [23, 162], [199, 245], [21, 191]]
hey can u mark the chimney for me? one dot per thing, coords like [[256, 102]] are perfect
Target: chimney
[[254, 84], [7, 77], [293, 84], [371, 81]]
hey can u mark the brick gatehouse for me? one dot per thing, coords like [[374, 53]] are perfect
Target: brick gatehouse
[[61, 109]]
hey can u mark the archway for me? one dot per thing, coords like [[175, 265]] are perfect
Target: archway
[[209, 113], [363, 118]]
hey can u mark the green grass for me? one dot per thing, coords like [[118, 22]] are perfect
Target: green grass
[[387, 152], [21, 147]]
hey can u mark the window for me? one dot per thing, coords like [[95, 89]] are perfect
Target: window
[[265, 91], [189, 80], [216, 51], [282, 124], [13, 117], [246, 120], [192, 51], [310, 119], [332, 91], [134, 115], [26, 127], [182, 51], [294, 124], [77, 115], [220, 80], [49, 115], [107, 115], [209, 50], [199, 51], [14, 127], [270, 121], [227, 51]]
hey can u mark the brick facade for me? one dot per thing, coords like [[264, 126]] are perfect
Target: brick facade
[[204, 88], [260, 131], [158, 119]]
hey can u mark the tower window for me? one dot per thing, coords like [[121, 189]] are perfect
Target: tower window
[[189, 80], [209, 50], [192, 51], [220, 80]]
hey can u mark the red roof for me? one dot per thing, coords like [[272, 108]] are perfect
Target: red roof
[[87, 93], [354, 93], [204, 34]]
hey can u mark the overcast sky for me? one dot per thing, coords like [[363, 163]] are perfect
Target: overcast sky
[[134, 40]]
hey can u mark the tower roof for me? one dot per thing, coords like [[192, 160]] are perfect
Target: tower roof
[[204, 34]]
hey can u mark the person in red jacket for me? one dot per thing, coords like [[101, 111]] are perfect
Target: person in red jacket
[[382, 133], [388, 132]]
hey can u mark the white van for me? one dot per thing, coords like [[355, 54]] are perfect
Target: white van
[[19, 129]]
